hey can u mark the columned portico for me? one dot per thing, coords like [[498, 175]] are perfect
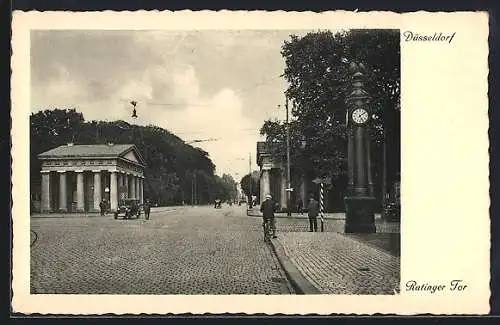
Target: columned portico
[[272, 175], [97, 190], [63, 205], [132, 186], [80, 207], [265, 184], [46, 192], [76, 178], [113, 196], [124, 185], [137, 188], [283, 203], [141, 190]]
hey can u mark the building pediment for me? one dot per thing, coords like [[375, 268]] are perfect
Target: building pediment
[[133, 155], [127, 152]]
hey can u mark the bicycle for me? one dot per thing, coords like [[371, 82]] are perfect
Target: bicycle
[[266, 225]]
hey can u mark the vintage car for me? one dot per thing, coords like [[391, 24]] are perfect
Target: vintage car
[[128, 209]]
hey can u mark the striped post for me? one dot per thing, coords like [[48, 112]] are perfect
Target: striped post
[[321, 206]]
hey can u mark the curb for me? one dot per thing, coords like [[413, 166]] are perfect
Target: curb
[[292, 217], [299, 283]]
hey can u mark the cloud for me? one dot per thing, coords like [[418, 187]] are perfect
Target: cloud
[[186, 84], [198, 84]]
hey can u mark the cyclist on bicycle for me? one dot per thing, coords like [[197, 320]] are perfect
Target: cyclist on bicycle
[[267, 209]]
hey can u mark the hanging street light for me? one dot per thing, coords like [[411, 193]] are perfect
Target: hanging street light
[[134, 112]]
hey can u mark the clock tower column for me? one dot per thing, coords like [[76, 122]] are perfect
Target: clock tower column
[[360, 200]]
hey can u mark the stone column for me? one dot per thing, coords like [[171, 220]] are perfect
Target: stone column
[[125, 185], [63, 205], [119, 185], [266, 185], [46, 206], [283, 193], [132, 187], [261, 187], [137, 195], [97, 190], [80, 197], [121, 194], [113, 193], [141, 189], [129, 187]]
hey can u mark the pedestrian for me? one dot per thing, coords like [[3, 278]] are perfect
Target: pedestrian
[[312, 212], [147, 209], [267, 208], [299, 206], [102, 207]]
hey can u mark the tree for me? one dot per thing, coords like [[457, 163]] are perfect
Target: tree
[[252, 189], [229, 187], [171, 163], [316, 68], [49, 129]]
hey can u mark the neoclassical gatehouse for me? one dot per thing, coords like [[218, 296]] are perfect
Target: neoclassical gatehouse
[[273, 176], [76, 177]]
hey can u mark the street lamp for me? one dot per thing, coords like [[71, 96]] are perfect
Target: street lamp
[[288, 180], [108, 198]]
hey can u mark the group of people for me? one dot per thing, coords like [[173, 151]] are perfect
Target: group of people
[[104, 207], [268, 207]]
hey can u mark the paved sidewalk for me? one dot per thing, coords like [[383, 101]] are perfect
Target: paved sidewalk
[[327, 216], [334, 263]]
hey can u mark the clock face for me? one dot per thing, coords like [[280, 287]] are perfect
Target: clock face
[[360, 116]]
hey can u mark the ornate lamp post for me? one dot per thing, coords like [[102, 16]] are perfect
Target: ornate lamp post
[[360, 200]]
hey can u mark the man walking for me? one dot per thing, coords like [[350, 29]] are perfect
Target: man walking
[[147, 209], [102, 207], [312, 212], [267, 209]]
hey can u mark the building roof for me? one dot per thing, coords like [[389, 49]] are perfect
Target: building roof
[[267, 148], [91, 150]]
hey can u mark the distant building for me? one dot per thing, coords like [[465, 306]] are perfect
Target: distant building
[[272, 173], [75, 178], [273, 178]]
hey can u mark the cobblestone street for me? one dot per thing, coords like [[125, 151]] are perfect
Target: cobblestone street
[[185, 250]]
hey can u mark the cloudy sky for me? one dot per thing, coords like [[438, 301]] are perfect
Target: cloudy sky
[[197, 84]]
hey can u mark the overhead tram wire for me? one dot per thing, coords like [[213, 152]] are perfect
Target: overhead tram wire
[[238, 92], [251, 130]]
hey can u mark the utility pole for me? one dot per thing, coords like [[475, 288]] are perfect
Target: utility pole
[[288, 195], [250, 204], [384, 175], [192, 189], [195, 190]]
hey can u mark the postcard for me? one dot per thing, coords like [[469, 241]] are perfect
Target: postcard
[[250, 162]]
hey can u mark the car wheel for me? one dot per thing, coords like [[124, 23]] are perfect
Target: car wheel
[[116, 215]]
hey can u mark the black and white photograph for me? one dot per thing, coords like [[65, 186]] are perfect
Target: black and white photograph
[[225, 161], [161, 162]]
